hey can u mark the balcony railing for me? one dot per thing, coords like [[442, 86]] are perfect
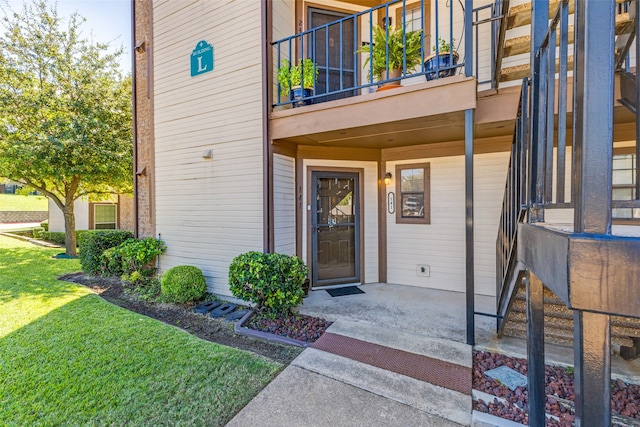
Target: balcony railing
[[394, 36]]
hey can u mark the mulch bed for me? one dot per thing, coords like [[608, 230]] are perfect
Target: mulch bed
[[625, 398], [181, 315]]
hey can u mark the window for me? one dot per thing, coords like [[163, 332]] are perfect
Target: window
[[415, 21], [624, 180], [413, 194], [105, 217]]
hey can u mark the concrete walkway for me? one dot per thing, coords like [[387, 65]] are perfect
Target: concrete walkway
[[322, 387], [299, 397], [9, 226]]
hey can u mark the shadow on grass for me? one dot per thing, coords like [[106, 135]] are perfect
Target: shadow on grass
[[89, 362]]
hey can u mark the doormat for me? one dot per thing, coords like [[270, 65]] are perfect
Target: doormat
[[347, 290]]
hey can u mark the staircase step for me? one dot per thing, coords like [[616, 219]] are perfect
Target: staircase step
[[621, 326], [521, 299], [558, 336], [518, 72], [519, 45], [521, 15], [432, 375]]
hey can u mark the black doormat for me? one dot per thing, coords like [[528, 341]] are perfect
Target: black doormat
[[347, 290]]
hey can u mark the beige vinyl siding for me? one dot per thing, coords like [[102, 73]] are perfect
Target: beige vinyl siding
[[284, 204], [440, 245], [208, 211], [283, 16], [368, 214]]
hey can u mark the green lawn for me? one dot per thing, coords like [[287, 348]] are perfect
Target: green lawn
[[67, 357], [15, 202]]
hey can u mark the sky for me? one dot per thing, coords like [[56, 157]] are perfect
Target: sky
[[106, 21]]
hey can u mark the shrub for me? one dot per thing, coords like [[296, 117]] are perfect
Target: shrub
[[272, 281], [95, 242], [45, 224], [35, 233], [131, 256], [184, 283], [56, 237]]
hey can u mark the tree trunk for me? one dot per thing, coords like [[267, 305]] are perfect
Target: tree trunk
[[70, 230]]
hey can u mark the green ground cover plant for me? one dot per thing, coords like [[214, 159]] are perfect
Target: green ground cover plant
[[17, 202], [77, 360]]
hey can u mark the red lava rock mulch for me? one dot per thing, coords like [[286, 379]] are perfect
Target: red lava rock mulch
[[295, 326], [625, 398]]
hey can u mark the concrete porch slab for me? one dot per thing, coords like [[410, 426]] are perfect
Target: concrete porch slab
[[419, 311]]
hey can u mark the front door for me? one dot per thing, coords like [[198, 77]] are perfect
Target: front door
[[335, 236]]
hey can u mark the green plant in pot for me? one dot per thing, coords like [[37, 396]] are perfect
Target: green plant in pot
[[297, 81], [400, 45], [445, 57]]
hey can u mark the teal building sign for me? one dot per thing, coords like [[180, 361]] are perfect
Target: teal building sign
[[201, 58]]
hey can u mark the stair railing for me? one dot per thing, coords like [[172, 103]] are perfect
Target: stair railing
[[497, 14], [630, 95], [543, 179], [514, 207]]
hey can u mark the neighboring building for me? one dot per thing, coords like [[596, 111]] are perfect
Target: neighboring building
[[403, 186], [113, 214]]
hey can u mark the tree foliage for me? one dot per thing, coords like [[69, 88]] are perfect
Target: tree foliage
[[65, 110]]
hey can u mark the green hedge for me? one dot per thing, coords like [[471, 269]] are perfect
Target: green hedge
[[59, 237], [272, 281], [184, 283], [94, 243]]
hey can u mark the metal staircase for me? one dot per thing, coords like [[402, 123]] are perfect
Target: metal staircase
[[520, 16], [584, 277], [510, 271]]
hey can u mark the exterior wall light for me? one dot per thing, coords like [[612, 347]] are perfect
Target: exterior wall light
[[207, 154], [387, 178]]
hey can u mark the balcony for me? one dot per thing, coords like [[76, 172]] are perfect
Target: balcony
[[361, 81]]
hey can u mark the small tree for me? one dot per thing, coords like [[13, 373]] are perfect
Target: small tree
[[65, 111]]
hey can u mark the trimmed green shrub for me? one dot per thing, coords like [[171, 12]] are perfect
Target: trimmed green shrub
[[59, 237], [35, 233], [132, 255], [272, 281], [45, 224], [184, 283], [94, 243]]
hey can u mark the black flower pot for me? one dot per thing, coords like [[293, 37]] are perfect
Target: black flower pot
[[440, 61], [300, 95]]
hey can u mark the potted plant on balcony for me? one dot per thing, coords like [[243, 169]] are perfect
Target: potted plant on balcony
[[444, 58], [399, 46], [297, 81]]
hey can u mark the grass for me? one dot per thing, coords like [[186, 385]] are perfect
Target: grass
[[16, 202], [67, 357]]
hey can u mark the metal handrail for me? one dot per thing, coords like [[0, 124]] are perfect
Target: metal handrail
[[514, 205], [303, 44], [543, 180]]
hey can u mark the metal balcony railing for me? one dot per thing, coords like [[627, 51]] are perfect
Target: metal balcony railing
[[340, 62]]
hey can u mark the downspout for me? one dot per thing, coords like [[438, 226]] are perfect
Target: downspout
[[267, 182], [133, 116]]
